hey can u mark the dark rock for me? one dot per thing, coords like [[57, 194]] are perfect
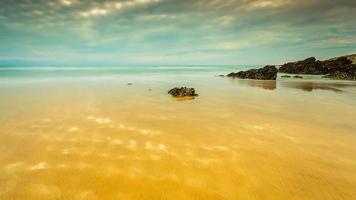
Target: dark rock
[[221, 75], [182, 92], [265, 73], [129, 83], [232, 74], [307, 66], [313, 66], [297, 76], [334, 65], [286, 76], [344, 74]]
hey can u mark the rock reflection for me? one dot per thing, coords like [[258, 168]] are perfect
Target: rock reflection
[[267, 85], [305, 85], [309, 86]]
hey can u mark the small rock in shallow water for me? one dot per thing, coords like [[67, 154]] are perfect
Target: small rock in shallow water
[[129, 83], [286, 76], [182, 92], [297, 76]]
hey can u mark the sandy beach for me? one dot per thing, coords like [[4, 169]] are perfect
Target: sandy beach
[[68, 134], [177, 100]]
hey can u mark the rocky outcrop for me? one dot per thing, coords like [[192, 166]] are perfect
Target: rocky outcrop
[[265, 73], [344, 74], [334, 65], [183, 92], [339, 68], [307, 66]]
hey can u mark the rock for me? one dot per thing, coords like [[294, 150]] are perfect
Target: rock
[[182, 92], [232, 74], [307, 66], [313, 66], [344, 74], [286, 76], [129, 83], [334, 65], [297, 76], [221, 75], [265, 73]]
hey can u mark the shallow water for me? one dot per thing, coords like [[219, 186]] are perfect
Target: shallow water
[[83, 133]]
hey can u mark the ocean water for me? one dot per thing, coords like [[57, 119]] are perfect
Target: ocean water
[[84, 133]]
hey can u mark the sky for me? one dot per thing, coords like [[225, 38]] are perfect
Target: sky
[[174, 32]]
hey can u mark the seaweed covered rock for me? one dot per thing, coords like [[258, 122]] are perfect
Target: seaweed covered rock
[[182, 92], [266, 73]]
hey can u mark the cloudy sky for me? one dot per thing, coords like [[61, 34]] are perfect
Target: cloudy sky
[[129, 32]]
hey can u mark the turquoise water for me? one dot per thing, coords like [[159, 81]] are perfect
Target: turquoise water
[[45, 72], [163, 77], [195, 75]]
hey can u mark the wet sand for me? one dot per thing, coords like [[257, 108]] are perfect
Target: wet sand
[[240, 139]]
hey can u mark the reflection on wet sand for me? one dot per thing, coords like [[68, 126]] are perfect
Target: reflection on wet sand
[[268, 85], [305, 85], [317, 85]]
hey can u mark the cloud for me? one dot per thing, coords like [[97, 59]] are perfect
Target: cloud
[[105, 8], [267, 4], [170, 31]]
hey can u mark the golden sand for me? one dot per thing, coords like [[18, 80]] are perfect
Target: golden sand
[[234, 141]]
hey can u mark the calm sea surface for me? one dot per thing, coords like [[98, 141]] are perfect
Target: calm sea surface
[[84, 133]]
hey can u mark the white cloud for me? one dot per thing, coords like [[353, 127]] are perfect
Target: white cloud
[[157, 17], [66, 2], [261, 4], [107, 8]]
